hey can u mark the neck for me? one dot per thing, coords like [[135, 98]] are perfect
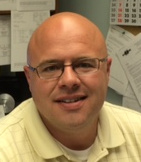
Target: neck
[[77, 138]]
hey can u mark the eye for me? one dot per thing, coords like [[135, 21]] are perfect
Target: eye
[[50, 68], [86, 64]]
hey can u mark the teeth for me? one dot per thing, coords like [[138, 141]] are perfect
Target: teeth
[[70, 101]]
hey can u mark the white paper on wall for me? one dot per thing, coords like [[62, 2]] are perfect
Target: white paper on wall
[[22, 26], [130, 58], [5, 41], [33, 5], [117, 38], [6, 5]]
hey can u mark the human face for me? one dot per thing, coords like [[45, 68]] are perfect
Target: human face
[[71, 101]]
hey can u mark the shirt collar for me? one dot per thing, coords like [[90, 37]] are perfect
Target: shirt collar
[[42, 142], [109, 132]]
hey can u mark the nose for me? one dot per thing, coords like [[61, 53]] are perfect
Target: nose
[[69, 79]]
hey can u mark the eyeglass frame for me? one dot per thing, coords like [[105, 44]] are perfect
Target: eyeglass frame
[[33, 69]]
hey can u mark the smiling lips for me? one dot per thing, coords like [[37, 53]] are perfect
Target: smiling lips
[[72, 100]]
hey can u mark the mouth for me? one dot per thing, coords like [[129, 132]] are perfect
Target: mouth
[[71, 100], [71, 103]]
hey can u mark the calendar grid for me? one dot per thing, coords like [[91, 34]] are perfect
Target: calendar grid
[[125, 12]]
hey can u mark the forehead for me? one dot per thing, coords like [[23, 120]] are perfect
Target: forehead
[[66, 52], [60, 62], [66, 41]]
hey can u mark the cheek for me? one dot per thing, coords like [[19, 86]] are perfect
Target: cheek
[[42, 90], [41, 93], [97, 85], [38, 89], [97, 81]]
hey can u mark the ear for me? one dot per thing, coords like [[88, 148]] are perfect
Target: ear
[[27, 74], [109, 63]]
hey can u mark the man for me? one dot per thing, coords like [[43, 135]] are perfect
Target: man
[[67, 119]]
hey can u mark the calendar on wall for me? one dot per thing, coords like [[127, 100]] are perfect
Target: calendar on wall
[[125, 12]]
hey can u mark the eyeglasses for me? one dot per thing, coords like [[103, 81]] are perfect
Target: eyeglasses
[[55, 69]]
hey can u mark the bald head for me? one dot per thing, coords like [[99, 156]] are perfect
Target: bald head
[[63, 27]]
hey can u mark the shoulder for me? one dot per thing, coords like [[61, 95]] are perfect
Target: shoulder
[[13, 134], [120, 109], [15, 117], [125, 117]]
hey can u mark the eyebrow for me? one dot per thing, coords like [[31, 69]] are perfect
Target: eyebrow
[[53, 61]]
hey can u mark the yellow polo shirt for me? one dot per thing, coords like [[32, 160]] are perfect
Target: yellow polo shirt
[[24, 138]]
